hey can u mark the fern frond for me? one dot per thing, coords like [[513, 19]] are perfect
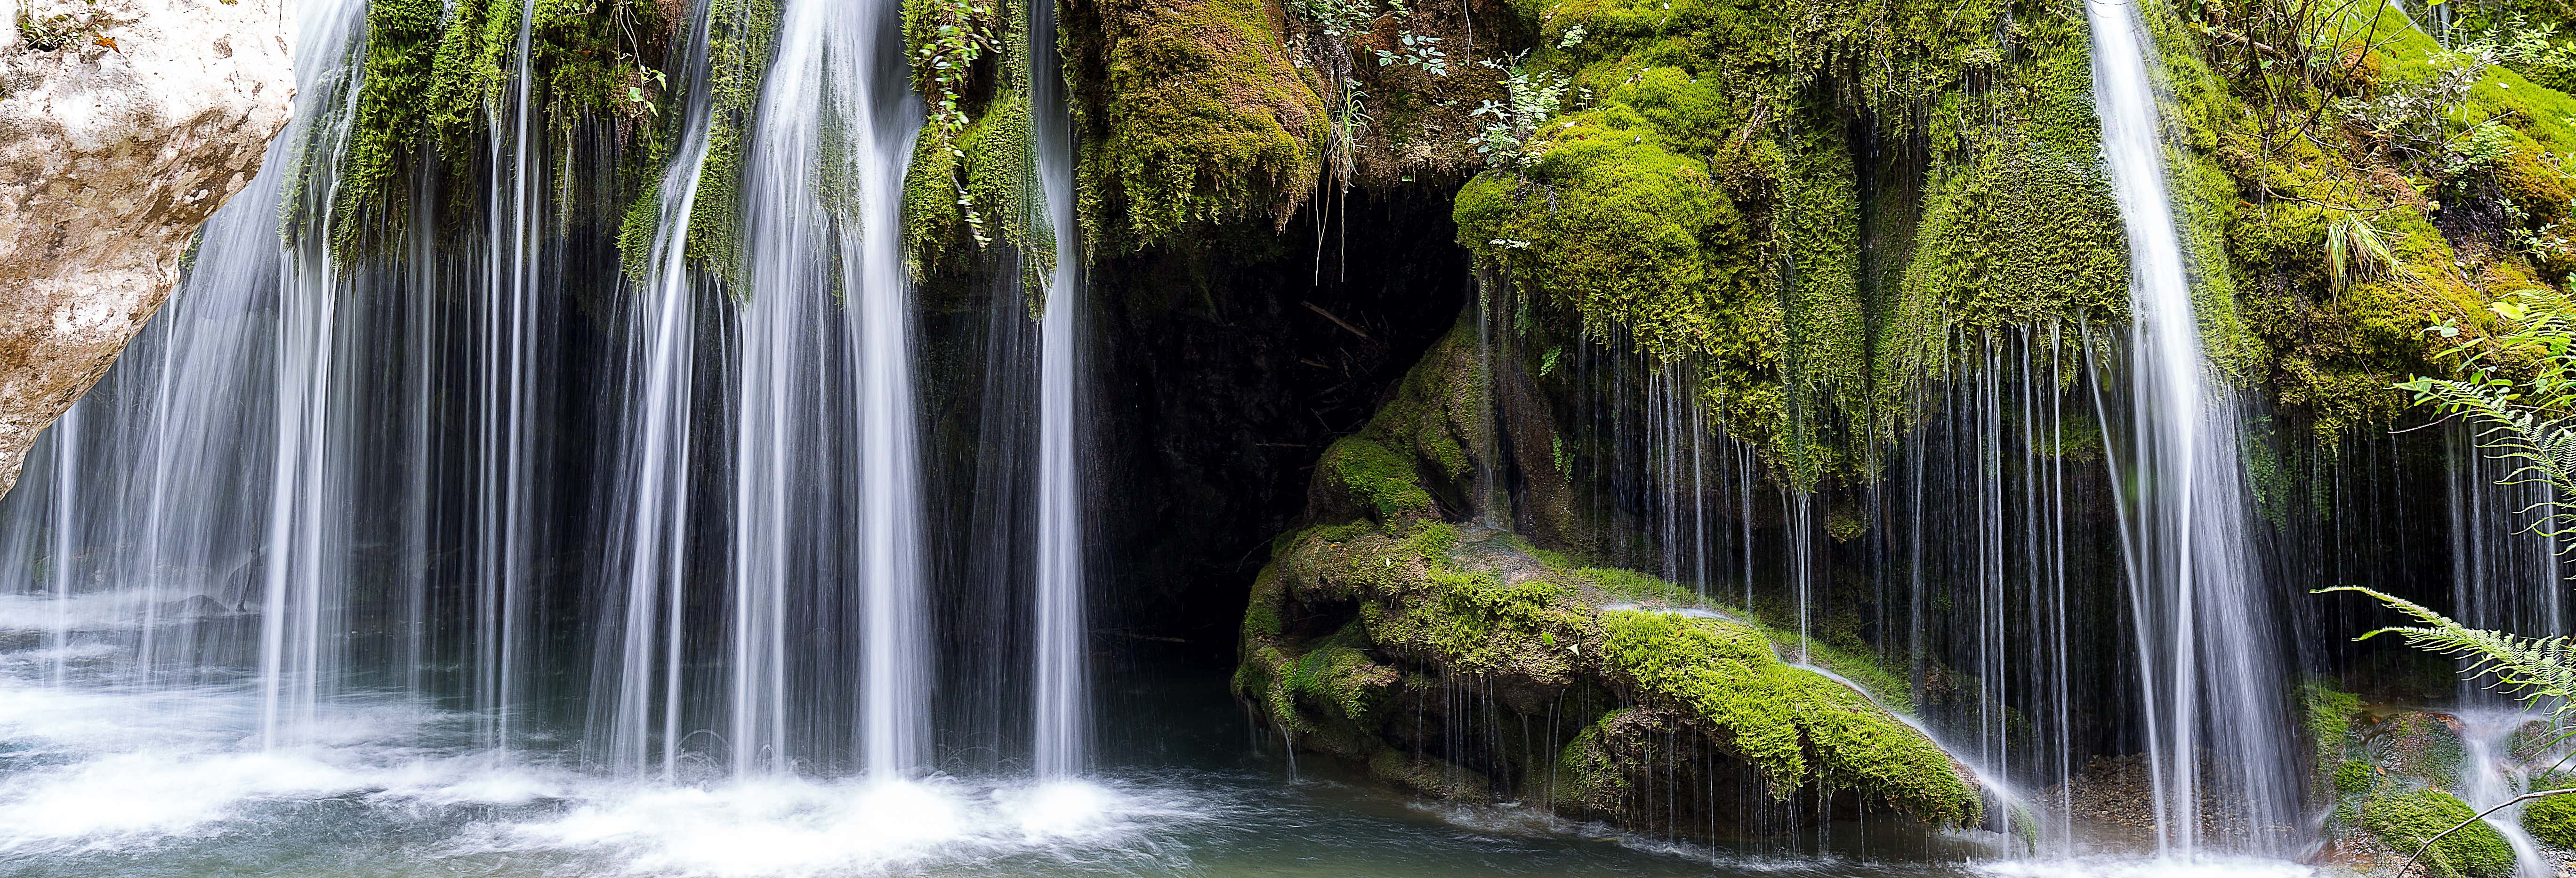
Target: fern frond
[[2540, 671]]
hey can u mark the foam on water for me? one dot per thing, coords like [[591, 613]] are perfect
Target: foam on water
[[91, 611], [791, 826], [101, 770], [95, 771], [2162, 867]]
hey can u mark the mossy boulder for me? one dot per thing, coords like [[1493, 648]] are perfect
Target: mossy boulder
[[1359, 635], [1798, 726], [1417, 458], [2420, 747], [2552, 821], [2406, 820]]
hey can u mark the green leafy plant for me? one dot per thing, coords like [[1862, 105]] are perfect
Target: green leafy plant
[[1533, 97], [1336, 18], [2517, 42], [61, 30], [1416, 50], [2356, 251], [959, 33]]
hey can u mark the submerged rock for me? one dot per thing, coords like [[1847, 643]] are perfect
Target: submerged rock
[[123, 125]]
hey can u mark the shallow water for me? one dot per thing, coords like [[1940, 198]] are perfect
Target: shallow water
[[99, 777]]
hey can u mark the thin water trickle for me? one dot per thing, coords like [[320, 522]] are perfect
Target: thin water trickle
[[61, 574], [1062, 684], [2506, 575]]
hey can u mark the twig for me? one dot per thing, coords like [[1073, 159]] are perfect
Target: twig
[[1328, 315]]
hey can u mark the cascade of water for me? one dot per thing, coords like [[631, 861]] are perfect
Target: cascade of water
[[896, 666], [503, 493], [2487, 780], [826, 166], [302, 617], [648, 541], [198, 477], [418, 542], [193, 384], [2210, 672], [1063, 642]]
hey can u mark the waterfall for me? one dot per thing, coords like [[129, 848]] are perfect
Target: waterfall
[[896, 718], [504, 493], [1062, 682], [2209, 670], [826, 486], [648, 538], [302, 617]]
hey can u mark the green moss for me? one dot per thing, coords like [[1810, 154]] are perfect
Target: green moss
[[1706, 206], [999, 172], [635, 232], [2354, 777], [1825, 366], [1472, 608], [434, 73], [2552, 821], [1421, 449], [387, 124], [2420, 747], [1592, 772], [1342, 680], [1379, 480], [1635, 586], [1204, 118], [1634, 236], [742, 35], [1797, 727], [2328, 713], [2406, 820]]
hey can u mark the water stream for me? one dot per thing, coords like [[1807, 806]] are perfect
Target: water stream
[[2207, 664], [1061, 685], [2488, 778]]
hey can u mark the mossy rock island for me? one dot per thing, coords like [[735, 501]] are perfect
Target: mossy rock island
[[1464, 661]]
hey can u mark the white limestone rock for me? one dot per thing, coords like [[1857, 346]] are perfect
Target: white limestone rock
[[123, 125]]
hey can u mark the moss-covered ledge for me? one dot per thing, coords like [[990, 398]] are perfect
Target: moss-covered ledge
[[1391, 645], [1193, 113]]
